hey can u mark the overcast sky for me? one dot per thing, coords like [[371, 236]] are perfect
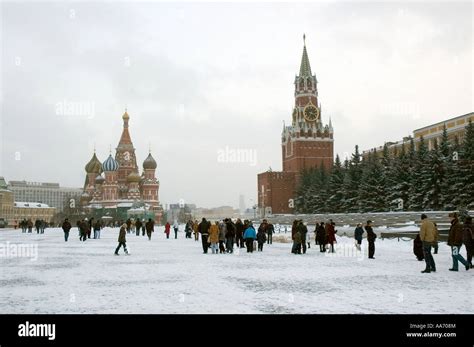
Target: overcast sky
[[200, 79]]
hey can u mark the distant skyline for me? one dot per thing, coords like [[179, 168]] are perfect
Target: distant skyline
[[208, 85]]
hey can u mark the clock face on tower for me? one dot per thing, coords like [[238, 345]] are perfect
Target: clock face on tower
[[311, 113]]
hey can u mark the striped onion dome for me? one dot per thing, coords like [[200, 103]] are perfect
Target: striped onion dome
[[110, 164]]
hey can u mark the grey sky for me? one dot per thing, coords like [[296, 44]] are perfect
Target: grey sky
[[200, 78]]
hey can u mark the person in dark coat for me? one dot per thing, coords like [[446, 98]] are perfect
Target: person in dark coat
[[294, 229], [331, 234], [138, 226], [229, 236], [90, 228], [203, 229], [296, 248], [239, 233], [468, 238], [303, 230], [144, 227], [371, 236], [358, 232], [261, 238], [83, 230], [455, 241], [418, 248], [149, 226], [321, 237], [97, 227], [188, 228], [129, 225], [37, 226], [121, 239], [66, 227], [270, 232]]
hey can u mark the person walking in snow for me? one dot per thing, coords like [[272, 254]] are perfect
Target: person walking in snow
[[331, 235], [83, 229], [358, 232], [229, 236], [167, 230], [303, 230], [129, 225], [176, 228], [296, 247], [249, 236], [187, 229], [371, 236], [270, 232], [455, 241], [203, 229], [97, 227], [30, 225], [468, 238], [196, 230], [239, 233], [321, 237], [222, 231], [261, 238], [143, 227], [149, 226], [428, 236], [214, 237], [138, 226], [66, 227], [37, 226], [121, 239]]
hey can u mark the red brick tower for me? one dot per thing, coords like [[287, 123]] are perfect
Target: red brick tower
[[125, 156], [306, 143]]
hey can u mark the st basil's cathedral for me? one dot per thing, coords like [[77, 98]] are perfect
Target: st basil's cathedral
[[117, 183]]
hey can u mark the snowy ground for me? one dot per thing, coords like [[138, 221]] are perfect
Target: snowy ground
[[173, 276]]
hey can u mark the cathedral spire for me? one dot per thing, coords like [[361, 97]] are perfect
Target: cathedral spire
[[305, 68], [125, 138]]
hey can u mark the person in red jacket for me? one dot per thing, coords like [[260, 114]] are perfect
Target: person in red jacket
[[167, 230]]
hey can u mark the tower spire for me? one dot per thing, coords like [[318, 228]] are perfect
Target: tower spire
[[305, 68]]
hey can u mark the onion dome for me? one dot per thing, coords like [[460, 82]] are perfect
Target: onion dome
[[110, 164], [99, 179], [125, 115], [133, 177], [149, 163], [94, 165]]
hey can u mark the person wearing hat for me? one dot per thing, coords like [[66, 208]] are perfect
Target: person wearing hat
[[371, 236], [121, 239]]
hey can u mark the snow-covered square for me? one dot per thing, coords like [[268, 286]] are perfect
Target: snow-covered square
[[174, 276]]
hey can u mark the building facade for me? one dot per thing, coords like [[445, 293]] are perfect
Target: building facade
[[117, 182], [13, 212], [456, 128], [42, 192], [307, 143]]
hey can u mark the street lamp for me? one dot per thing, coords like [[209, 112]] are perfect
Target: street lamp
[[254, 211]]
